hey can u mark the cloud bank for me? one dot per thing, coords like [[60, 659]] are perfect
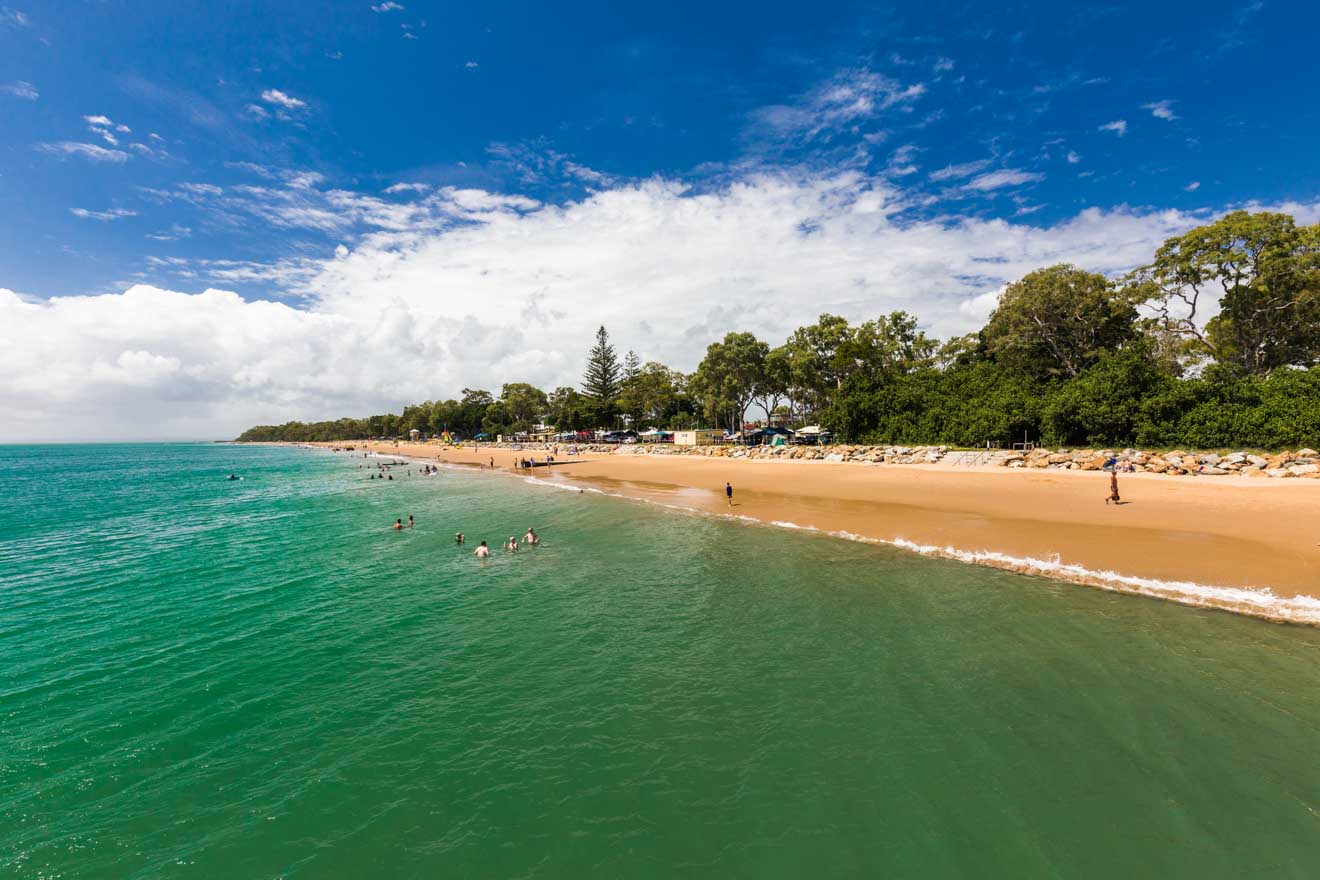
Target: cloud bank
[[466, 288]]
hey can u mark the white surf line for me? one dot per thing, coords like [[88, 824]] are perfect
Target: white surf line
[[1252, 601]]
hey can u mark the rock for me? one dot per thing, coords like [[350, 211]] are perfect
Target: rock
[[1235, 458], [1308, 452], [1093, 464], [1302, 470], [1210, 458], [1278, 461], [1157, 466], [1258, 461], [1279, 472], [1252, 471], [834, 456], [1059, 458], [1213, 470]]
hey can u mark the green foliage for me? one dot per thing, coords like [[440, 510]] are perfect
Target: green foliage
[[1058, 321], [1265, 271], [1064, 360]]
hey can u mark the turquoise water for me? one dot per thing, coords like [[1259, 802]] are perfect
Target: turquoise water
[[202, 678]]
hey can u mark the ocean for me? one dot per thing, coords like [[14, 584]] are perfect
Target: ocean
[[260, 678]]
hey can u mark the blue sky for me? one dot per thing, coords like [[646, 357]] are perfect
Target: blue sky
[[303, 153]]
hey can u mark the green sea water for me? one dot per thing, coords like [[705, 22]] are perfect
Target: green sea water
[[259, 679]]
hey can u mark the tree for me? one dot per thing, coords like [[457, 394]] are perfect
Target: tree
[[1265, 271], [1056, 322], [649, 396], [601, 382], [771, 388], [525, 404], [568, 410], [815, 372], [727, 377]]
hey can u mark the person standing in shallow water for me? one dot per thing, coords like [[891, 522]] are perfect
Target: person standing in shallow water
[[728, 493], [1113, 487]]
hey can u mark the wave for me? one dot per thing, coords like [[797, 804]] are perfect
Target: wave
[[1254, 601]]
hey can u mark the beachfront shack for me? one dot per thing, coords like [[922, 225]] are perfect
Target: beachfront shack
[[699, 437]]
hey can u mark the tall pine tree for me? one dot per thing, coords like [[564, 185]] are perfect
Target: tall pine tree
[[601, 382]]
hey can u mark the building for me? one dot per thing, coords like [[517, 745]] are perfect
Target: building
[[414, 435], [699, 437]]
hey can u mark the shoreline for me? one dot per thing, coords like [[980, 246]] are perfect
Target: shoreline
[[1245, 547]]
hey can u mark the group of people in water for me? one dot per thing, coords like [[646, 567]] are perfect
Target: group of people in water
[[531, 539]]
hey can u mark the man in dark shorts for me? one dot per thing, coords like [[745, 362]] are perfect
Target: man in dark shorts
[[728, 493]]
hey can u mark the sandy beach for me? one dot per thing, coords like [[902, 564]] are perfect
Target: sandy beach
[[1249, 546]]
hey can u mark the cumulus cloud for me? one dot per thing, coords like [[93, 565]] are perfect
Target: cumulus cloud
[[281, 99], [1118, 127], [112, 214], [84, 151], [1161, 110], [20, 89], [469, 288], [1073, 158]]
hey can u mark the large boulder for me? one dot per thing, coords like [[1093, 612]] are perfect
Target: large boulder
[[1252, 471], [1307, 452], [1302, 470], [1213, 470]]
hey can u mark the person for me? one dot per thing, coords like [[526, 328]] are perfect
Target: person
[[482, 551], [728, 493], [398, 524], [391, 476], [458, 537], [410, 521], [512, 545], [492, 463], [1113, 487], [531, 537]]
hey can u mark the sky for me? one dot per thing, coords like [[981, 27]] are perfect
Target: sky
[[213, 216]]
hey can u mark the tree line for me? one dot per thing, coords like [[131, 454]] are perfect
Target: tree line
[[1067, 358]]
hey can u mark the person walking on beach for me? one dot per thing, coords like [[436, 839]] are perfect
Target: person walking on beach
[[728, 493], [1113, 488]]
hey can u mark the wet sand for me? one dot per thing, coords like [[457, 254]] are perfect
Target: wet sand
[[1251, 546]]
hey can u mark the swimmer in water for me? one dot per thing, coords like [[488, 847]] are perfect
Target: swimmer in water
[[410, 521], [531, 537], [512, 545], [482, 551], [458, 537], [398, 524]]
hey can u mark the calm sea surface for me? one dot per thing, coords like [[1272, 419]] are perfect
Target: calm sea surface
[[259, 679]]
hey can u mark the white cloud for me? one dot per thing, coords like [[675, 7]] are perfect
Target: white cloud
[[1161, 110], [942, 64], [1002, 178], [473, 288], [1073, 158], [471, 65], [408, 187], [1118, 127], [848, 98], [98, 121], [957, 172], [281, 99], [85, 151], [387, 6], [20, 89], [112, 214], [1193, 186]]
